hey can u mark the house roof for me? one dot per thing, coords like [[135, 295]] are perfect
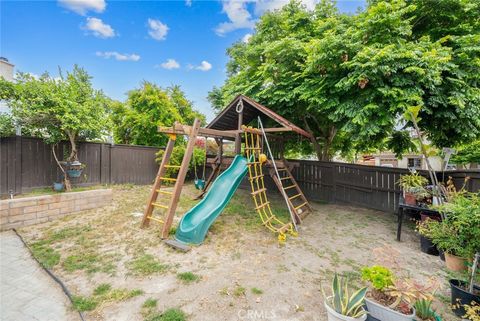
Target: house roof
[[228, 118]]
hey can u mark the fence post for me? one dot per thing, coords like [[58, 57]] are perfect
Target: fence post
[[16, 162], [334, 182]]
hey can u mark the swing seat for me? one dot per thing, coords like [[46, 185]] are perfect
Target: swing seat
[[199, 183]]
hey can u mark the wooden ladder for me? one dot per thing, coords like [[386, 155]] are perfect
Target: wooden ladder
[[159, 185], [295, 197]]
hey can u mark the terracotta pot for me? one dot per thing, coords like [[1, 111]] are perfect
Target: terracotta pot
[[455, 263], [410, 199]]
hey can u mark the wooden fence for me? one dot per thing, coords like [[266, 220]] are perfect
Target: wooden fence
[[28, 163], [368, 186]]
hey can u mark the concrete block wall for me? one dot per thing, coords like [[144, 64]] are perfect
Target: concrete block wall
[[39, 209]]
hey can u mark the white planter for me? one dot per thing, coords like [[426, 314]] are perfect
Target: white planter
[[332, 315], [384, 313]]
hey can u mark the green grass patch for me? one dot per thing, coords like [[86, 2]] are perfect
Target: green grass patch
[[146, 264], [67, 233], [239, 291], [90, 261], [81, 303], [150, 303], [188, 277], [103, 293], [102, 289], [47, 256], [172, 314], [257, 291]]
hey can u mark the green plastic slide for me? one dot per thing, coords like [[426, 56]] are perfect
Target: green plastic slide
[[194, 225]]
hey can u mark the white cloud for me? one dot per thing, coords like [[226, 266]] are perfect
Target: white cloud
[[238, 15], [170, 64], [204, 66], [188, 3], [246, 38], [99, 28], [157, 29], [118, 56], [261, 6], [83, 6]]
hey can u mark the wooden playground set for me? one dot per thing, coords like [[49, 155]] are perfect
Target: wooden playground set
[[254, 156]]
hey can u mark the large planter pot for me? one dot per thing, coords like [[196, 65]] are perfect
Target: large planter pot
[[410, 199], [455, 263], [384, 313], [74, 173], [333, 315], [426, 246], [460, 296]]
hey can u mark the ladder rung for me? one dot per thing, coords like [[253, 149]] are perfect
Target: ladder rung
[[262, 205], [294, 196], [284, 178], [160, 205], [168, 179], [289, 187], [284, 228], [256, 177], [268, 220], [172, 166], [253, 148], [164, 192], [259, 191], [301, 205], [155, 219], [250, 163]]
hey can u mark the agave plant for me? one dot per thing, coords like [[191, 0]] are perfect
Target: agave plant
[[423, 309], [344, 303]]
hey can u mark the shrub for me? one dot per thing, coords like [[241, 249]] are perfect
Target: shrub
[[380, 277], [458, 233]]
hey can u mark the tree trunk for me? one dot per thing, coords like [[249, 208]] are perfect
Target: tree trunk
[[66, 180], [73, 153], [322, 150]]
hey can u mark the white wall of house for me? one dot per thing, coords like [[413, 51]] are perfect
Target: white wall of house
[[6, 71], [409, 160]]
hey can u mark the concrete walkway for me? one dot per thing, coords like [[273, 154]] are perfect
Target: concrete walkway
[[27, 292]]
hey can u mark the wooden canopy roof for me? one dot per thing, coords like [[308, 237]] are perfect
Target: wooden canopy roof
[[228, 118]]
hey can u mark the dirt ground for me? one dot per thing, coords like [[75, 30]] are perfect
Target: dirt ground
[[244, 274]]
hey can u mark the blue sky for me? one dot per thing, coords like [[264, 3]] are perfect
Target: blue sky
[[121, 43]]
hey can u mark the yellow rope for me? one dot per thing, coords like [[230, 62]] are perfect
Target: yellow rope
[[259, 194]]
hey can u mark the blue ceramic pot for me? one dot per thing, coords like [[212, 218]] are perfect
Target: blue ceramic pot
[[58, 187], [74, 172]]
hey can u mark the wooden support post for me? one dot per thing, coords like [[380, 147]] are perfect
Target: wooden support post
[[180, 179], [158, 182], [238, 139]]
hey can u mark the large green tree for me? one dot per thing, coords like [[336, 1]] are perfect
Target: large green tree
[[348, 79], [55, 109], [136, 121]]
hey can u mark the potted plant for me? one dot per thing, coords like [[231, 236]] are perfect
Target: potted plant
[[413, 185], [457, 234], [74, 169], [465, 294], [386, 301], [426, 244], [342, 306], [424, 311]]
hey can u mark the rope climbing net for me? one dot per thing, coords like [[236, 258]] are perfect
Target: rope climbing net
[[253, 151]]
